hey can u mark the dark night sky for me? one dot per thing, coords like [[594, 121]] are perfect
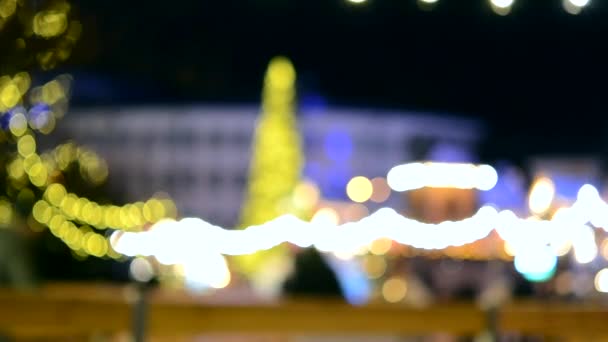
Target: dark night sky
[[536, 76]]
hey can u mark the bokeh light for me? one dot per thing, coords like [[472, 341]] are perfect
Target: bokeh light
[[359, 189], [414, 176], [541, 195], [601, 281], [381, 191], [381, 246], [374, 266], [141, 270], [326, 216], [538, 264], [501, 7], [394, 289]]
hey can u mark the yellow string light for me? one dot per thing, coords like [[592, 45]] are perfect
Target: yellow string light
[[277, 160], [67, 216]]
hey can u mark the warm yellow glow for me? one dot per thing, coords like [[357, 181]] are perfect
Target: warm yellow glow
[[375, 266], [359, 189], [42, 211], [23, 81], [541, 196], [55, 194], [26, 146], [18, 124], [95, 244], [50, 24], [306, 195], [327, 216], [9, 95], [6, 213], [7, 8], [381, 246], [509, 249], [15, 169], [601, 280], [394, 290]]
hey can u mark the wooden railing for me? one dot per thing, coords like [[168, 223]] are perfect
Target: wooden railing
[[85, 310]]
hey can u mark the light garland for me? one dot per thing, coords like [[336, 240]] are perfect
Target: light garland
[[175, 241], [68, 216]]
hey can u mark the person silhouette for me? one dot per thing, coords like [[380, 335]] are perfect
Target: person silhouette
[[312, 277]]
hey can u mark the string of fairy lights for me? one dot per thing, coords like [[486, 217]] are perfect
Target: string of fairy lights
[[500, 7], [77, 221]]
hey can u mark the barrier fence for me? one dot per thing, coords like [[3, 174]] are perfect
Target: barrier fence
[[74, 311]]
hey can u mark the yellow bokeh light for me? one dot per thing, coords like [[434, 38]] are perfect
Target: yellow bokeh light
[[306, 195], [509, 249], [26, 145], [375, 266], [6, 213], [9, 95], [394, 290], [170, 210], [74, 238], [77, 208], [359, 189], [15, 169], [135, 215], [55, 224], [39, 176], [69, 205], [95, 244], [7, 8], [326, 216], [55, 194], [23, 81], [87, 211], [42, 212], [50, 23], [381, 246], [18, 124], [53, 92], [30, 161], [153, 210], [601, 281], [541, 196]]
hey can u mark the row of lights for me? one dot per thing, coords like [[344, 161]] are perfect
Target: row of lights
[[503, 7], [535, 243], [68, 216], [353, 237]]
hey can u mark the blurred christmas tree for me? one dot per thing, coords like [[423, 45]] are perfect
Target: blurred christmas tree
[[276, 164], [61, 189]]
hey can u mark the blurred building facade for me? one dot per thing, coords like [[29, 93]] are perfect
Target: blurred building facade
[[200, 155]]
